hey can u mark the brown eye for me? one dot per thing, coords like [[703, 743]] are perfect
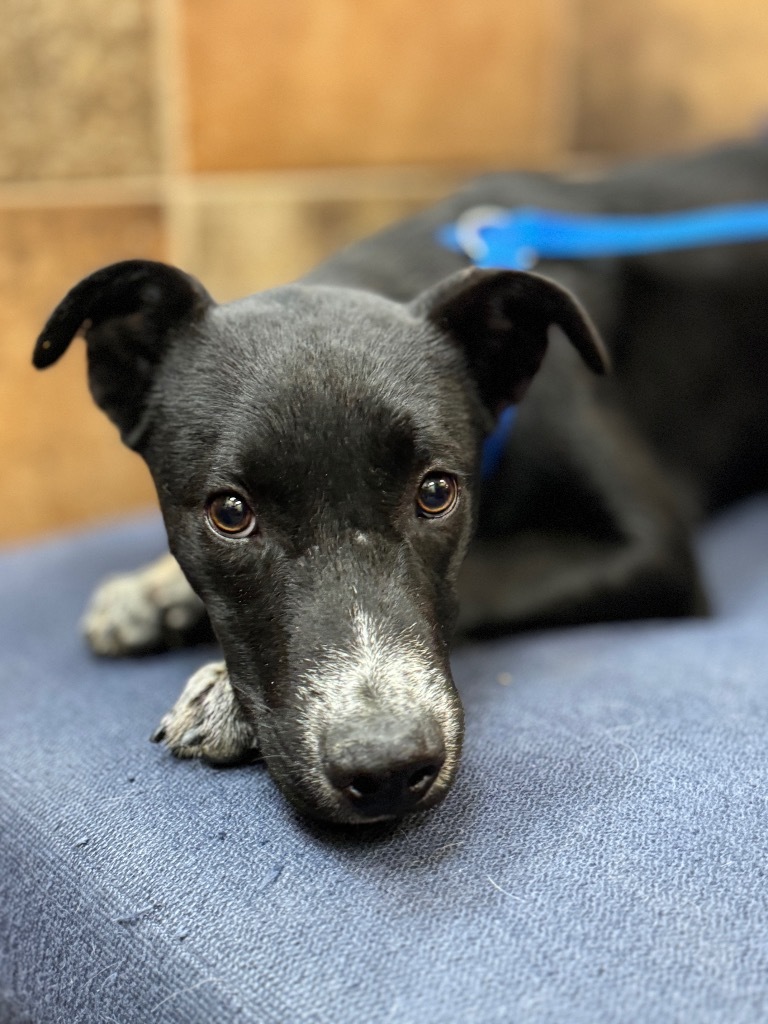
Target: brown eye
[[231, 515], [436, 495]]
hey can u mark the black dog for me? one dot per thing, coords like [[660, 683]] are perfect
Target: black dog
[[315, 450]]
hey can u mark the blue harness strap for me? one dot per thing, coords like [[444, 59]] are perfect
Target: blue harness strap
[[497, 238], [496, 442]]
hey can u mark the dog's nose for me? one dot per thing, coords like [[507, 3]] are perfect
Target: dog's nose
[[383, 766]]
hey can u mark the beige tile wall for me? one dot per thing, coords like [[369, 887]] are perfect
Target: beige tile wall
[[665, 74], [77, 89], [245, 139], [243, 233], [61, 461], [307, 84]]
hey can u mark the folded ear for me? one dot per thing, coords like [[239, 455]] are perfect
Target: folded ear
[[501, 319], [128, 312]]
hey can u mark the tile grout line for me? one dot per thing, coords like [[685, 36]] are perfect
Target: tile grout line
[[174, 182], [291, 185], [570, 75]]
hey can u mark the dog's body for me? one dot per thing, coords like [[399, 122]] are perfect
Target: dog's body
[[315, 451]]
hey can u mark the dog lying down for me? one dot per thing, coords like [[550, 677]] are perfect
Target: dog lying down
[[315, 450]]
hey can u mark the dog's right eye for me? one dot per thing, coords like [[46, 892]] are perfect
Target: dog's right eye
[[230, 515]]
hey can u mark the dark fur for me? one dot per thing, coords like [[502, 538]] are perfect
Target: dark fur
[[326, 401]]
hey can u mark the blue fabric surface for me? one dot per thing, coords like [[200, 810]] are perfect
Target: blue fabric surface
[[602, 857]]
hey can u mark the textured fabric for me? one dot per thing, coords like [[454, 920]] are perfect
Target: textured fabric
[[602, 857]]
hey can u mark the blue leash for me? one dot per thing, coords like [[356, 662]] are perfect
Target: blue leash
[[517, 239], [497, 238]]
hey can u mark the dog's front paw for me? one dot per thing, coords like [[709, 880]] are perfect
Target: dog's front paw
[[206, 720], [144, 611]]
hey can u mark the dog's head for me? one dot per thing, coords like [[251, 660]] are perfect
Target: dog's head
[[315, 451]]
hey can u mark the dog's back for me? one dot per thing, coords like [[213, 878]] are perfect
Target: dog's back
[[687, 331]]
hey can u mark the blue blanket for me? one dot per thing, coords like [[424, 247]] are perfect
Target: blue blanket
[[601, 859]]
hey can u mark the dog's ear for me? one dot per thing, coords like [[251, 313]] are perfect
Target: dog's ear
[[128, 313], [501, 319]]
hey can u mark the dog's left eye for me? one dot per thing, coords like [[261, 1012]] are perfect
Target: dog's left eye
[[231, 515], [436, 495]]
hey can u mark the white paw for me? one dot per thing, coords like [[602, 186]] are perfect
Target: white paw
[[139, 612], [206, 720]]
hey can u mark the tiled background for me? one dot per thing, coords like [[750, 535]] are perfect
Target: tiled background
[[243, 139]]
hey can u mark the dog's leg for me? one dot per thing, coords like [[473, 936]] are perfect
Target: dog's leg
[[206, 720], [540, 580], [614, 540], [149, 610], [154, 609]]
